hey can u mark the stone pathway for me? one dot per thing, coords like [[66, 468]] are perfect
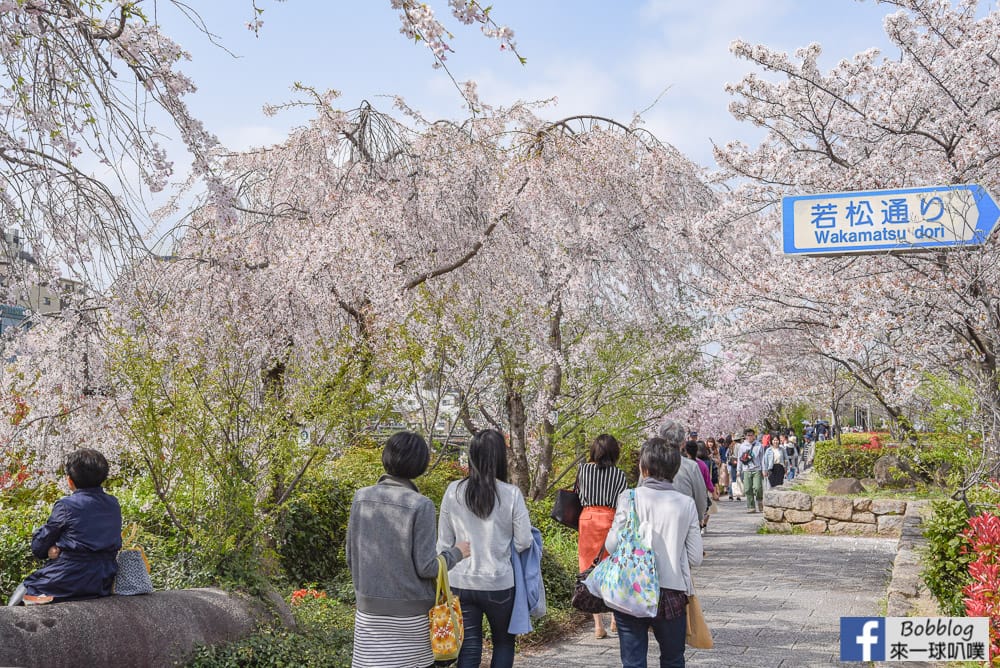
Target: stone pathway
[[772, 601]]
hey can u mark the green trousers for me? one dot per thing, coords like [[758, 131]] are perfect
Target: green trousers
[[753, 487]]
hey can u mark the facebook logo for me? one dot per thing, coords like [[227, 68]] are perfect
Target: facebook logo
[[862, 638]]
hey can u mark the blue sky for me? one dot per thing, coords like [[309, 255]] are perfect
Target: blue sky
[[601, 57]]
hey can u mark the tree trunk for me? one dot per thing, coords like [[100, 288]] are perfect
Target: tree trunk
[[552, 389], [517, 464]]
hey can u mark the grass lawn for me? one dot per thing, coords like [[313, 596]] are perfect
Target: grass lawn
[[814, 484]]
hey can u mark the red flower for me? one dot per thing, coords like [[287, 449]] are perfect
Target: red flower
[[982, 595], [300, 595]]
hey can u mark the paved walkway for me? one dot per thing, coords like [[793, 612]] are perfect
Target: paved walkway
[[772, 601]]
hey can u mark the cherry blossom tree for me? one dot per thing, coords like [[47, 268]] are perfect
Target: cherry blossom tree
[[926, 117]]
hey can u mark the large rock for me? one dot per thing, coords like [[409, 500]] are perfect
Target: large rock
[[845, 486], [894, 473], [890, 525], [773, 514], [816, 526], [864, 518], [787, 499], [778, 527], [159, 629], [799, 516], [888, 507], [862, 505], [850, 529], [833, 507]]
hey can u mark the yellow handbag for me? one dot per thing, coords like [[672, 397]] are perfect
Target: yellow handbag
[[447, 628]]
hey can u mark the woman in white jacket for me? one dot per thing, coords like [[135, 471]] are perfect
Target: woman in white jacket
[[669, 521], [489, 513]]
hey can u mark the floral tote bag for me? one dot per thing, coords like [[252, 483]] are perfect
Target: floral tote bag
[[627, 580]]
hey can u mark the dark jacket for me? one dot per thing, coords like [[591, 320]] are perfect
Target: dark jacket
[[86, 526], [390, 549]]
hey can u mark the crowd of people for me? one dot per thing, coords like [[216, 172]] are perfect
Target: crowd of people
[[395, 544], [483, 524]]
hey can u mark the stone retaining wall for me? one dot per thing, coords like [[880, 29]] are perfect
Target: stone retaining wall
[[785, 510]]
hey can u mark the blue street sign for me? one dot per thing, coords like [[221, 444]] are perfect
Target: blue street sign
[[878, 221]]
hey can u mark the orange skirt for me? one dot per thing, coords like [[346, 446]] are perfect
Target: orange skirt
[[595, 521]]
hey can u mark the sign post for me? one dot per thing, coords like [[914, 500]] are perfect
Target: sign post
[[879, 221]]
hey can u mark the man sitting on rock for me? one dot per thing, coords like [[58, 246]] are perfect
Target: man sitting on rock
[[81, 539]]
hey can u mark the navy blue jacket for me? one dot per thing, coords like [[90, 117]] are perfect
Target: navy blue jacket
[[86, 526]]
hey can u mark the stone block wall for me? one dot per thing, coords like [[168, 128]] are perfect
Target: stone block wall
[[785, 510]]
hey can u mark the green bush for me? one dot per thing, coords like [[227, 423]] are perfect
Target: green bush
[[175, 562], [946, 563], [16, 560], [851, 459], [272, 648], [311, 531], [23, 510], [940, 458], [324, 639]]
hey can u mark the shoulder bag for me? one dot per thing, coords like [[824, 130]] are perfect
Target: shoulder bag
[[133, 576], [567, 507], [582, 599], [447, 628], [699, 635]]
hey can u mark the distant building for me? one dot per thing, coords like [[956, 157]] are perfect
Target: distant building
[[21, 293]]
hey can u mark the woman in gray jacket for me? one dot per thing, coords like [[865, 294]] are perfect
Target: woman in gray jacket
[[393, 561]]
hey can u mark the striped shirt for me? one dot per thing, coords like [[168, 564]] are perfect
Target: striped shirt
[[391, 642], [600, 487]]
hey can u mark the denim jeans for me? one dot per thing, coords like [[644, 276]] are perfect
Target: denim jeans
[[497, 606], [633, 640]]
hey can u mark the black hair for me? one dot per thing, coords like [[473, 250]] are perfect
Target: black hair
[[659, 460], [405, 455], [691, 448], [487, 464], [703, 451], [604, 451], [86, 468]]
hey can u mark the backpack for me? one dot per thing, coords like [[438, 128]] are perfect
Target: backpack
[[747, 457]]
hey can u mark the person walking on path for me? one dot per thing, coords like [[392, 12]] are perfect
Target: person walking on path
[[491, 514], [749, 463], [393, 561], [599, 483], [690, 452], [770, 599], [670, 521], [719, 450], [791, 454], [688, 480], [774, 463], [735, 484]]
